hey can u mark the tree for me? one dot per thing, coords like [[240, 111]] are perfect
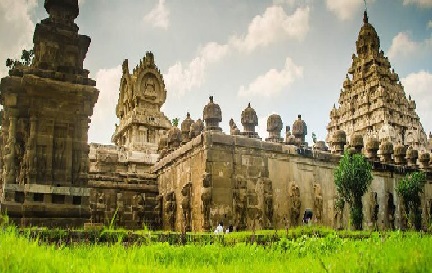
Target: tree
[[409, 188], [352, 177], [26, 59], [175, 122]]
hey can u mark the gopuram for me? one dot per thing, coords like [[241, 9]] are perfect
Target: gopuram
[[46, 110], [192, 176]]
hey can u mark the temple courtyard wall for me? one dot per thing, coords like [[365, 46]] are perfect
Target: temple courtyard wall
[[252, 184]]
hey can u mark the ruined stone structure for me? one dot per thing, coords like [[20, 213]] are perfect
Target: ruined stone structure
[[373, 102], [47, 106]]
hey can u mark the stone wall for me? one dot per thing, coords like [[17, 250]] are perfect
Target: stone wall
[[253, 184]]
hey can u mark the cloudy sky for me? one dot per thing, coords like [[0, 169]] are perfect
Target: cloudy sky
[[287, 57]]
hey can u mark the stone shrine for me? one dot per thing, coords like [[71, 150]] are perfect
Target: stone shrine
[[121, 172], [373, 102], [45, 121]]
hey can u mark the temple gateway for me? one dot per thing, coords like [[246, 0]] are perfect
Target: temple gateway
[[193, 176]]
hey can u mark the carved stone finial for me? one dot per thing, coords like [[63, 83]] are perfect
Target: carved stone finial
[[68, 6], [274, 127], [365, 17], [212, 115], [249, 120]]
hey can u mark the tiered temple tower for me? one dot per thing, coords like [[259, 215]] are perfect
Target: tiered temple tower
[[373, 102], [142, 95], [45, 121]]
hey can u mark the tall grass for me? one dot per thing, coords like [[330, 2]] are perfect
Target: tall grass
[[392, 252]]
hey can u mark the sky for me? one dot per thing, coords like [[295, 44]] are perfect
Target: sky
[[287, 57]]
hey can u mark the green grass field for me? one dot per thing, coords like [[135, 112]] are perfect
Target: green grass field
[[389, 252]]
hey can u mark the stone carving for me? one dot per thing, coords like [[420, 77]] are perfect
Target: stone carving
[[268, 204], [318, 203], [412, 156], [196, 128], [138, 209], [240, 203], [386, 149], [186, 206], [174, 138], [391, 209], [47, 107], [212, 116], [372, 146], [400, 154], [206, 198], [374, 210], [98, 207], [357, 143], [370, 104], [299, 130], [249, 120], [120, 208], [171, 210], [234, 130], [338, 142], [295, 204], [185, 128], [274, 127]]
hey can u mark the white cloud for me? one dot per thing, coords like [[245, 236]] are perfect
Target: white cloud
[[104, 117], [274, 81], [273, 25], [419, 86], [180, 79], [430, 24], [81, 2], [344, 9], [402, 46], [16, 28], [419, 3], [263, 30], [158, 16]]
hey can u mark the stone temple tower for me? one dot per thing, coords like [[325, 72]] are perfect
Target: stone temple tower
[[46, 110], [373, 102], [141, 97]]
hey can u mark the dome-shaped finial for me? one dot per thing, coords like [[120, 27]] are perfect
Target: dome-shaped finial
[[211, 99]]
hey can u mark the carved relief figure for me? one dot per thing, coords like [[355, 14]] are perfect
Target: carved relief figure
[[120, 208], [295, 204], [240, 203], [98, 207], [186, 206], [268, 204], [138, 209], [234, 130], [374, 209], [391, 208], [318, 203], [206, 198], [171, 209]]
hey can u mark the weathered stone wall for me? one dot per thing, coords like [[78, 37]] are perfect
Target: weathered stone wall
[[256, 184]]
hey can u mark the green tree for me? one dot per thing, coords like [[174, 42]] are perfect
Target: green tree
[[175, 122], [409, 188], [352, 177], [26, 59]]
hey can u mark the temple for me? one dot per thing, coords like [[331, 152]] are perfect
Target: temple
[[46, 110], [191, 176], [372, 102]]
